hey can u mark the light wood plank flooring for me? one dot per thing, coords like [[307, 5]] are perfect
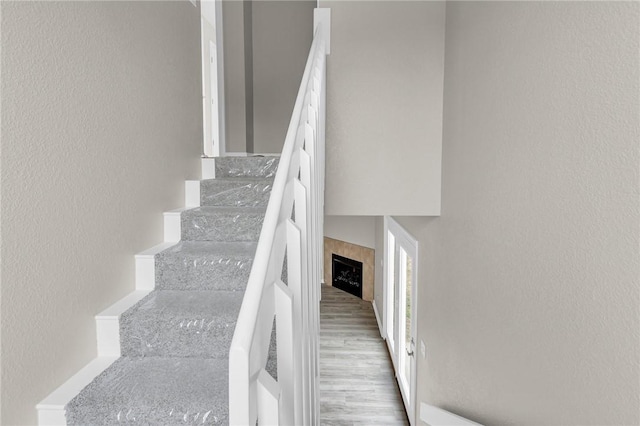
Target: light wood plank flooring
[[357, 383]]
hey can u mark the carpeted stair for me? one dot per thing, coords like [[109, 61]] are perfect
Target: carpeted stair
[[175, 342]]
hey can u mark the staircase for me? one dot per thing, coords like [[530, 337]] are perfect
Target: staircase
[[196, 343], [175, 341]]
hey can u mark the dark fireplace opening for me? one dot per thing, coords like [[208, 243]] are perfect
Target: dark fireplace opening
[[347, 274]]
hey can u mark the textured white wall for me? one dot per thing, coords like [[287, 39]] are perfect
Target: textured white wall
[[529, 281], [384, 107], [358, 230], [101, 124]]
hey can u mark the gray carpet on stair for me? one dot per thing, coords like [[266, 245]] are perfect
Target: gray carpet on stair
[[155, 391], [222, 223], [246, 167], [175, 342], [238, 192], [205, 265], [170, 323]]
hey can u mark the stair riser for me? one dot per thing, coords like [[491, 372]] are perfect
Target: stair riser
[[235, 194], [221, 226], [246, 167], [202, 273]]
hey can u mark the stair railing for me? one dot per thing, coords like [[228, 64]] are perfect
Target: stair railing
[[293, 228]]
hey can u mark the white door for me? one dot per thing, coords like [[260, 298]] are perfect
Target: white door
[[401, 262]]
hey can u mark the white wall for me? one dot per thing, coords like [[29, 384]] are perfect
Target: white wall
[[358, 230], [234, 76], [529, 281], [282, 36], [101, 124], [384, 107]]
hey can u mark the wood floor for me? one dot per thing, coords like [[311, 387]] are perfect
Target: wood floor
[[357, 383]]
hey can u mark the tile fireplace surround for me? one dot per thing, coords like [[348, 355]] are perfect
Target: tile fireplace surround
[[355, 252]]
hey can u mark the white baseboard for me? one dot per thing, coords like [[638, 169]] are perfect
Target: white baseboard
[[51, 410], [236, 154], [108, 324], [146, 264], [434, 416], [192, 193], [172, 225], [208, 167], [378, 319]]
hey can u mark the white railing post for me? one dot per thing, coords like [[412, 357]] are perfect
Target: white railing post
[[284, 324], [294, 282], [268, 395]]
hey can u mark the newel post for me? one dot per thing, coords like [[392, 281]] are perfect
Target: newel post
[[322, 15]]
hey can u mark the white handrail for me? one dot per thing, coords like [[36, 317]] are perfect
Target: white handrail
[[298, 189]]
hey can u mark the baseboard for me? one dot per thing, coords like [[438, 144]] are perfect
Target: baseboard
[[146, 264], [236, 154], [434, 416], [172, 225], [108, 323], [192, 193], [208, 167], [378, 320], [51, 410]]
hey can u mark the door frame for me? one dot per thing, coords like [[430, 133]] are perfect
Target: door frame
[[211, 12], [402, 238]]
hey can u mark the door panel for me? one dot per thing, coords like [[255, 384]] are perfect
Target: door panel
[[401, 256]]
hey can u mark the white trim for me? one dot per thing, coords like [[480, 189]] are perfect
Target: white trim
[[51, 409], [208, 167], [192, 193], [222, 129], [108, 324], [146, 265], [172, 225], [251, 154], [405, 241], [434, 416], [265, 154], [375, 311], [322, 16]]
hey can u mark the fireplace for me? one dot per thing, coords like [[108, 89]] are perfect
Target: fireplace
[[347, 274]]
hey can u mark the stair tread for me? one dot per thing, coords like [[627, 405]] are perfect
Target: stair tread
[[181, 324], [212, 210], [155, 391], [222, 223], [258, 166], [205, 265], [239, 179], [239, 192], [212, 248]]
